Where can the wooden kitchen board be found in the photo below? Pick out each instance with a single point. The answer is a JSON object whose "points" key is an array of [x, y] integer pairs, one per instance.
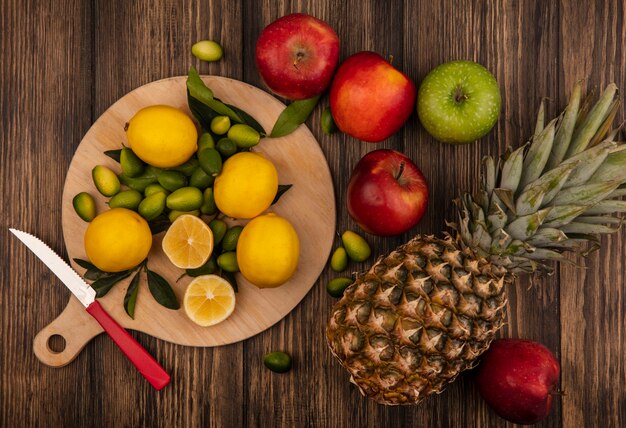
{"points": [[309, 205]]}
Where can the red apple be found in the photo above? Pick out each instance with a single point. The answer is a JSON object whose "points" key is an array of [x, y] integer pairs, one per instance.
{"points": [[387, 193], [369, 98], [517, 378], [296, 56]]}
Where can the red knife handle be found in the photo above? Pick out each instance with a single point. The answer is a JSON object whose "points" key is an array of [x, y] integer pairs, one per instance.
{"points": [[147, 366]]}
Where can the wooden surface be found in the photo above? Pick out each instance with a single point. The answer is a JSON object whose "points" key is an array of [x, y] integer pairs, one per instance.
{"points": [[64, 63], [309, 206]]}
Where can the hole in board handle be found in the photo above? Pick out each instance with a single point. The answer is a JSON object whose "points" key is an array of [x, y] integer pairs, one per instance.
{"points": [[56, 344]]}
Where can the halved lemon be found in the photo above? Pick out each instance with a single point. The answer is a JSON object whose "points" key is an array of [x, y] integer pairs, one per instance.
{"points": [[209, 300], [188, 242]]}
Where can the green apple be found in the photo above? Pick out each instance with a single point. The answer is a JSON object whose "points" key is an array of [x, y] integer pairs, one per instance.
{"points": [[458, 102]]}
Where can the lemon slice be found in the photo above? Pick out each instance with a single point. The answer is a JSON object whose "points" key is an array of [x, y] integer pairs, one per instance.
{"points": [[209, 300], [188, 242]]}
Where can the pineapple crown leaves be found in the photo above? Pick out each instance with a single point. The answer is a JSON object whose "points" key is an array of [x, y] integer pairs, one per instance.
{"points": [[556, 193]]}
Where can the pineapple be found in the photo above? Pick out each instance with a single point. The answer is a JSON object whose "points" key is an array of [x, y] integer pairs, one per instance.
{"points": [[424, 313]]}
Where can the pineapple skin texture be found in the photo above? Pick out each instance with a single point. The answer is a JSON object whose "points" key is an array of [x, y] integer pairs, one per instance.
{"points": [[421, 315], [417, 318]]}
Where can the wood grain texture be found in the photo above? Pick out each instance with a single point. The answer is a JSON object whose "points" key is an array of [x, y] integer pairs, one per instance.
{"points": [[593, 330], [96, 51]]}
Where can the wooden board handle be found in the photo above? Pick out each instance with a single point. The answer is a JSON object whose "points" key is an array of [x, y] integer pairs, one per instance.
{"points": [[75, 326]]}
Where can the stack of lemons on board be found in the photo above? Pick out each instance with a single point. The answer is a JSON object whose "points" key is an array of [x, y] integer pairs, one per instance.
{"points": [[195, 182]]}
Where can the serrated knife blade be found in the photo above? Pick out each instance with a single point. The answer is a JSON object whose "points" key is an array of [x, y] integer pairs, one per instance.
{"points": [[68, 276], [147, 366]]}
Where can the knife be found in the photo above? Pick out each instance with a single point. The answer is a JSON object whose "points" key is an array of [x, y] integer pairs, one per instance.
{"points": [[147, 366]]}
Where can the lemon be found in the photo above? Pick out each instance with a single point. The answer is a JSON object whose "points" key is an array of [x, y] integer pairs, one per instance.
{"points": [[188, 242], [246, 186], [209, 300], [268, 250], [162, 136], [117, 240]]}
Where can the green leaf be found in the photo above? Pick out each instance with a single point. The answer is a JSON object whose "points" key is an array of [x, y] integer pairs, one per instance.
{"points": [[92, 273], [204, 106], [130, 299], [201, 112], [600, 220], [206, 269], [248, 120], [588, 194], [103, 285], [524, 227], [282, 188], [114, 154], [232, 280], [583, 239], [546, 236], [554, 180], [613, 167], [506, 197], [512, 170], [516, 248], [563, 214], [490, 174], [563, 136], [162, 291], [541, 118], [198, 90], [547, 254], [603, 132], [537, 155], [593, 122], [606, 207], [496, 216], [478, 215], [204, 115], [588, 162], [482, 198], [500, 241], [481, 237], [587, 228], [541, 191], [328, 123], [293, 116], [196, 87], [159, 224], [85, 264]]}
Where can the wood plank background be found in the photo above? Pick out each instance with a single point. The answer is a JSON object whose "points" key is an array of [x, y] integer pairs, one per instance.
{"points": [[64, 62]]}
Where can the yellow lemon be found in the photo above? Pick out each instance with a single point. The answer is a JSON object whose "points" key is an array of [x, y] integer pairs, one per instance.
{"points": [[162, 136], [268, 250], [188, 242], [246, 185], [117, 240], [209, 300]]}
